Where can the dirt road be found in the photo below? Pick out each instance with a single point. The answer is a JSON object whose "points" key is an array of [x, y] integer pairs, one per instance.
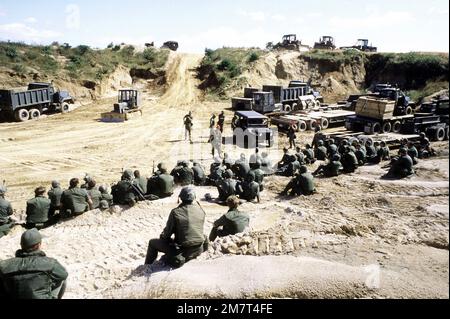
{"points": [[354, 220]]}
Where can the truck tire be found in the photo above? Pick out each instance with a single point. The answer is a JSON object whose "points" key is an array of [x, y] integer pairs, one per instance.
{"points": [[440, 134], [302, 126], [34, 114], [317, 104], [295, 107], [387, 127], [409, 110], [21, 115], [324, 123], [375, 128], [287, 108], [446, 133], [397, 127], [65, 108], [312, 125]]}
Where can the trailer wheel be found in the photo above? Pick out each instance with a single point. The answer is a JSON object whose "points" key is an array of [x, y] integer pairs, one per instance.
{"points": [[440, 134], [409, 110], [294, 107], [317, 103], [302, 126], [34, 114], [65, 108], [375, 129], [312, 125], [287, 108], [22, 115], [387, 127], [397, 127], [446, 133], [324, 123]]}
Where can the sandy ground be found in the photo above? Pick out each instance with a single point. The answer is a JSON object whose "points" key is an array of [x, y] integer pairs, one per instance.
{"points": [[356, 225]]}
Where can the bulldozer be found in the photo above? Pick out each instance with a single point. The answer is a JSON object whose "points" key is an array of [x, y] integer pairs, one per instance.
{"points": [[361, 45], [325, 43], [127, 107], [290, 42]]}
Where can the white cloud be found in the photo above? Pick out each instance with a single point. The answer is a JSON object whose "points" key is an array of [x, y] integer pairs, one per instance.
{"points": [[22, 32], [314, 15], [2, 13], [255, 16], [31, 20], [278, 17], [374, 21]]}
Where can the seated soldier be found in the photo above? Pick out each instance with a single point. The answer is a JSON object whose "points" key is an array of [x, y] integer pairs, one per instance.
{"points": [[360, 154], [140, 181], [54, 194], [385, 152], [186, 222], [259, 174], [332, 169], [106, 197], [301, 184], [266, 164], [75, 201], [125, 192], [227, 186], [349, 160], [425, 149], [370, 150], [318, 136], [332, 148], [32, 275], [299, 155], [401, 167], [175, 172], [241, 168], [286, 159], [309, 154], [343, 145], [163, 185], [255, 158], [215, 172], [38, 210], [199, 174], [232, 223], [320, 151], [413, 152], [94, 194], [184, 175], [6, 211], [248, 189], [228, 162], [87, 178]]}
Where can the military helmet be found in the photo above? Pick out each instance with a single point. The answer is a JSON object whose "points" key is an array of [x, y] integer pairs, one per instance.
{"points": [[250, 177], [187, 194], [320, 143], [336, 157], [102, 189], [55, 184], [228, 173], [128, 174], [422, 135], [331, 141], [30, 238], [3, 189], [104, 204], [303, 169], [403, 151]]}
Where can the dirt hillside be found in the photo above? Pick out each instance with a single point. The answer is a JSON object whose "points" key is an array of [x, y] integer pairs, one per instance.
{"points": [[358, 237]]}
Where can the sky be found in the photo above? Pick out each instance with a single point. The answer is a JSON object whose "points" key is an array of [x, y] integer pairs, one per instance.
{"points": [[392, 26]]}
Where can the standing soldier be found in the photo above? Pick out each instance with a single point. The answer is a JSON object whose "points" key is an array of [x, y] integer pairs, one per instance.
{"points": [[212, 121], [291, 135], [31, 274], [188, 123], [221, 122], [38, 210], [216, 142], [6, 212]]}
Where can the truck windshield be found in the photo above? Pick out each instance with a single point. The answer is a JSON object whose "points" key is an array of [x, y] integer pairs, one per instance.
{"points": [[257, 122]]}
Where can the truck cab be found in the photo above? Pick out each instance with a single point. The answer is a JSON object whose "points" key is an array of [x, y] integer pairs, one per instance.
{"points": [[402, 102], [251, 128]]}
